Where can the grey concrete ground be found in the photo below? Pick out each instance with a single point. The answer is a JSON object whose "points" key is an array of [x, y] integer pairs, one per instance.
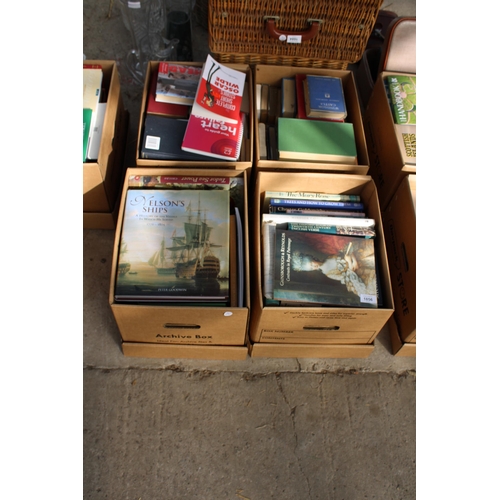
{"points": [[257, 429]]}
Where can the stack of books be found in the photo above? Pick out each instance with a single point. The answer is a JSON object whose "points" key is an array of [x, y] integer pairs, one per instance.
{"points": [[305, 119], [195, 113], [402, 95], [318, 250]]}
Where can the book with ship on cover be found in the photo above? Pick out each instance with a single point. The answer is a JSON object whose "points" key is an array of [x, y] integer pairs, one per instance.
{"points": [[174, 247], [325, 269]]}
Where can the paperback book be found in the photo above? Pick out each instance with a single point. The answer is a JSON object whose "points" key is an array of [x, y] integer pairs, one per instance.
{"points": [[324, 269], [214, 138], [402, 91], [164, 108], [174, 247], [177, 83], [407, 142], [220, 92]]}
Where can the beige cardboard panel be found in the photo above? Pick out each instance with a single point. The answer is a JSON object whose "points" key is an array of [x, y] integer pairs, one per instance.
{"points": [[400, 348], [173, 323], [140, 350], [400, 228], [272, 75], [296, 318], [386, 163], [238, 165], [314, 335], [261, 350]]}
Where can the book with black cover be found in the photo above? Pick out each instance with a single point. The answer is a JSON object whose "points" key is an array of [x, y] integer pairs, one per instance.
{"points": [[325, 269], [162, 139], [174, 247]]}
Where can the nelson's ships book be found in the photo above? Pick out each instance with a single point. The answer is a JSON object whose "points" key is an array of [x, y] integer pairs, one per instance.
{"points": [[174, 247]]}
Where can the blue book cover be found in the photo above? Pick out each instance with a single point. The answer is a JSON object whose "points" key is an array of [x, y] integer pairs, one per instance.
{"points": [[325, 96], [296, 203]]}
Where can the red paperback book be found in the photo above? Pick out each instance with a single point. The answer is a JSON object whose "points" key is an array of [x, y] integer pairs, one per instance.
{"points": [[163, 108], [216, 138], [220, 92]]}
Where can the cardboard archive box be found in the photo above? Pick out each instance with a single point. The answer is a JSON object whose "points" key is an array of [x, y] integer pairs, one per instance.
{"points": [[102, 178], [272, 75], [165, 330], [400, 235], [317, 331], [247, 146], [387, 166]]}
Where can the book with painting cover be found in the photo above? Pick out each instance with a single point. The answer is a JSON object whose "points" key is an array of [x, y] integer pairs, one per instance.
{"points": [[220, 92], [177, 83], [325, 269], [213, 137], [308, 203], [316, 141], [324, 97], [163, 108], [174, 247], [402, 92]]}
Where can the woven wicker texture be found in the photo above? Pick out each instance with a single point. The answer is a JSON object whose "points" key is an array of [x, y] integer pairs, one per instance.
{"points": [[237, 31]]}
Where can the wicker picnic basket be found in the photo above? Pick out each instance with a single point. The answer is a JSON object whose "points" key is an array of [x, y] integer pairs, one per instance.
{"points": [[310, 33]]}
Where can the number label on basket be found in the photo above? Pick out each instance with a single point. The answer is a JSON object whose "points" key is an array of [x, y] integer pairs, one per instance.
{"points": [[291, 38]]}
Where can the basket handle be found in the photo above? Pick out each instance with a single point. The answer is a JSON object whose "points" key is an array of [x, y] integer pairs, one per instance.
{"points": [[291, 36]]}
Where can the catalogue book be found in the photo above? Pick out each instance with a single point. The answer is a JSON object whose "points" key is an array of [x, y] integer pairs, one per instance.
{"points": [[174, 247], [324, 269], [177, 83], [220, 92]]}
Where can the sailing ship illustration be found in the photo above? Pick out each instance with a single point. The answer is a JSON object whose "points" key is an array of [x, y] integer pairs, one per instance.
{"points": [[160, 261], [192, 254], [123, 266]]}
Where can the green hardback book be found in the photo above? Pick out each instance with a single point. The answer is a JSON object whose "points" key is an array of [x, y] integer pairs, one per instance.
{"points": [[87, 117], [316, 141]]}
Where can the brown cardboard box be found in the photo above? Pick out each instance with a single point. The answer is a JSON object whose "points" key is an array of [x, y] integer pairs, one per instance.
{"points": [[400, 348], [102, 179], [148, 350], [387, 166], [173, 324], [272, 75], [400, 235], [333, 326], [264, 350], [248, 147]]}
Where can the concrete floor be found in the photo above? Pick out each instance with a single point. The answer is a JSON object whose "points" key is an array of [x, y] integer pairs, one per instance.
{"points": [[258, 429]]}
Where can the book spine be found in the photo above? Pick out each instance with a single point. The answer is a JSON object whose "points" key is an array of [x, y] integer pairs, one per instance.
{"points": [[396, 102], [288, 202], [313, 211], [312, 196], [332, 229]]}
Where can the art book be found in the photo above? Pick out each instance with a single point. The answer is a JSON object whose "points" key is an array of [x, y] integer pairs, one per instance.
{"points": [[163, 108], [324, 97], [402, 91], [316, 141], [220, 92], [174, 247], [177, 83], [325, 269], [214, 138]]}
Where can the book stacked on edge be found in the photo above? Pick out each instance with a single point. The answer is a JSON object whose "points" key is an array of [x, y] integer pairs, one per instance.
{"points": [[402, 95], [318, 250], [305, 120], [195, 113], [181, 241], [94, 110]]}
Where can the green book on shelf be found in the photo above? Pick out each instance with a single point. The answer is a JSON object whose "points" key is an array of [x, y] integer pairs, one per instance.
{"points": [[87, 117], [316, 141], [402, 93]]}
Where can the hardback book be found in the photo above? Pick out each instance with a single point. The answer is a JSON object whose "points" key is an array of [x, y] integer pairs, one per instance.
{"points": [[271, 222], [264, 102], [164, 108], [288, 98], [272, 143], [273, 105], [407, 141], [324, 97], [96, 135], [214, 138], [308, 203], [174, 247], [262, 141], [177, 83], [316, 141], [92, 83], [87, 120], [220, 92], [332, 229], [325, 269], [318, 211], [162, 139], [402, 91], [305, 195]]}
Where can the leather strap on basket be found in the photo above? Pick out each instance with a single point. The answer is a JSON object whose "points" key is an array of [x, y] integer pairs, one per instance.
{"points": [[283, 35]]}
